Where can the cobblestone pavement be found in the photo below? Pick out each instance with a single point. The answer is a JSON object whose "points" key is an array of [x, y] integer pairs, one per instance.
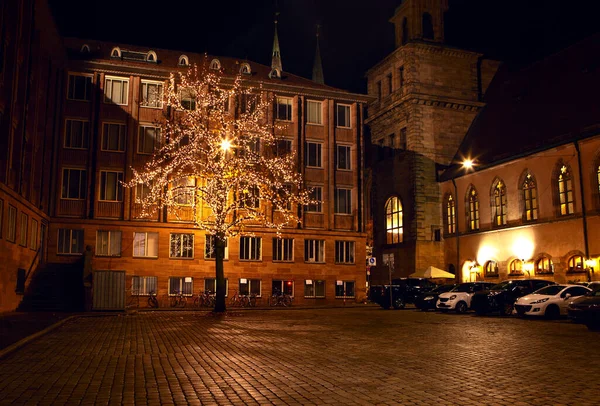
{"points": [[319, 356]]}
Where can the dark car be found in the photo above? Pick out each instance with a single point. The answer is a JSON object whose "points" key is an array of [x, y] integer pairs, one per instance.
{"points": [[427, 300], [404, 290], [501, 297], [586, 310]]}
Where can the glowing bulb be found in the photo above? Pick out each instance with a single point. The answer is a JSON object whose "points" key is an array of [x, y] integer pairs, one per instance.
{"points": [[225, 145], [468, 163]]}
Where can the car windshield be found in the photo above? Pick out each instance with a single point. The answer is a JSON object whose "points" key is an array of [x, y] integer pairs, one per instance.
{"points": [[550, 290], [463, 287], [442, 288], [502, 286]]}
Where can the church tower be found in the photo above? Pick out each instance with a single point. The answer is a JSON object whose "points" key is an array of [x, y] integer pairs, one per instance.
{"points": [[426, 96]]}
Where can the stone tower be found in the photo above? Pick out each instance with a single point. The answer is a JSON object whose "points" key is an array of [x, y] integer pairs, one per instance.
{"points": [[427, 94]]}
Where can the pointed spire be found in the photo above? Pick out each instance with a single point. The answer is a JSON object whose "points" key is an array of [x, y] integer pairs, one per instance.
{"points": [[276, 57], [317, 73]]}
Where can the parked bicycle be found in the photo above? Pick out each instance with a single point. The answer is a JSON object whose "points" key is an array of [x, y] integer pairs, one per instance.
{"points": [[238, 300], [152, 300], [205, 299], [178, 300], [280, 299]]}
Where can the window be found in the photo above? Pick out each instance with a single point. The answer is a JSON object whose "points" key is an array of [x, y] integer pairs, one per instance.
{"points": [[343, 115], [142, 192], [575, 264], [144, 285], [316, 196], [283, 108], [74, 184], [544, 265], [402, 143], [23, 225], [76, 134], [427, 26], [529, 199], [181, 285], [343, 157], [108, 243], [209, 248], [210, 285], [491, 268], [313, 154], [145, 245], [11, 234], [393, 221], [401, 77], [113, 137], [183, 60], [283, 147], [500, 204], [378, 87], [70, 242], [245, 69], [182, 191], [152, 94], [148, 139], [314, 111], [250, 198], [450, 215], [215, 64], [314, 288], [33, 240], [344, 252], [565, 191], [343, 201], [182, 246], [151, 56], [188, 99], [344, 289], [404, 31], [116, 90], [115, 53], [80, 88], [250, 287], [516, 267], [314, 250], [285, 287], [389, 84], [111, 188], [248, 103], [473, 209], [283, 249], [250, 248]]}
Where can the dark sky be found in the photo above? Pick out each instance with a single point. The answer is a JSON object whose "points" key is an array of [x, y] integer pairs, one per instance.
{"points": [[355, 34]]}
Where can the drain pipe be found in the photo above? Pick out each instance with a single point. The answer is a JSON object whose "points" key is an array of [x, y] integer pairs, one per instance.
{"points": [[583, 209]]}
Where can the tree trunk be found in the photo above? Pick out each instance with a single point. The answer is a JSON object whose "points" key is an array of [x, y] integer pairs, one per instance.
{"points": [[221, 288]]}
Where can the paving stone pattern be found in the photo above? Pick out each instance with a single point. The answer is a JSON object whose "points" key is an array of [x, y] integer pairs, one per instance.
{"points": [[312, 356]]}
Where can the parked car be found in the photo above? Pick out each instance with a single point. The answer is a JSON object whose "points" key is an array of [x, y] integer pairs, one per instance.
{"points": [[550, 301], [404, 290], [586, 310], [592, 285], [427, 300], [459, 298], [501, 297]]}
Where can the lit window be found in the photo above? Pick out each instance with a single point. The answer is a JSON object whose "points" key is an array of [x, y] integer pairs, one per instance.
{"points": [[314, 250], [79, 88], [565, 191], [316, 195], [343, 201], [491, 268], [151, 56], [393, 221], [344, 252], [183, 60], [473, 207], [74, 184], [108, 243], [116, 52], [313, 154], [283, 249], [250, 198], [250, 248], [148, 139], [70, 242], [314, 288], [500, 204], [180, 285], [145, 245], [575, 263], [544, 265], [245, 69], [152, 94], [182, 191], [24, 223], [116, 90], [76, 134], [215, 64], [144, 285], [209, 248], [250, 287], [344, 289], [343, 115], [516, 267], [182, 246], [343, 157], [111, 186], [113, 137], [450, 215], [530, 199], [314, 111], [188, 99], [283, 108], [286, 287]]}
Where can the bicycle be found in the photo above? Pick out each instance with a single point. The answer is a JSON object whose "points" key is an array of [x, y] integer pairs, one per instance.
{"points": [[204, 299], [280, 299], [178, 300], [152, 300]]}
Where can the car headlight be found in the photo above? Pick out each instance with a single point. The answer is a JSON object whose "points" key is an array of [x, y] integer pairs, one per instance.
{"points": [[428, 298], [452, 297], [540, 301]]}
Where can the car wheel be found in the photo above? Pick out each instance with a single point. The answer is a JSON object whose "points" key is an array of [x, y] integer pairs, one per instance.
{"points": [[506, 309], [399, 303], [552, 312], [461, 307]]}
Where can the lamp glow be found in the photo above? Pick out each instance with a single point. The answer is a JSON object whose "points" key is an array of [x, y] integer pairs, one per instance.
{"points": [[225, 145], [467, 163]]}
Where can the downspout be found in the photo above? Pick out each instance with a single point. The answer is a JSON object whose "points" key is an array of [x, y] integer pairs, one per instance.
{"points": [[456, 222], [583, 210]]}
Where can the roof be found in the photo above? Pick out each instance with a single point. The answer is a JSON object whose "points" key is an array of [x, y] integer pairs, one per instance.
{"points": [[549, 103]]}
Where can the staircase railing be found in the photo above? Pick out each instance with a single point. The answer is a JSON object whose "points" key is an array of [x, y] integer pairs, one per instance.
{"points": [[20, 280]]}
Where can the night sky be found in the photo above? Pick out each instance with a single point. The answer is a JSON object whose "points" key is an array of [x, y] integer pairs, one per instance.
{"points": [[355, 34]]}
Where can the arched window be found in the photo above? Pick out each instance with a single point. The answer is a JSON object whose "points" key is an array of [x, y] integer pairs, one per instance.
{"points": [[393, 220], [427, 26], [275, 74], [450, 215], [85, 49], [575, 264], [115, 53], [183, 60], [490, 268], [151, 56], [543, 266], [565, 191], [215, 64], [404, 31], [245, 69], [530, 209], [473, 209], [500, 204], [516, 267]]}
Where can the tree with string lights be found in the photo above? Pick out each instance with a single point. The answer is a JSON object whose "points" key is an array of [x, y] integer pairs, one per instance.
{"points": [[221, 160]]}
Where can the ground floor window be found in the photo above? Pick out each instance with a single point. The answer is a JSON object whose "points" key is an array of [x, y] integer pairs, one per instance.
{"points": [[180, 284], [145, 245], [344, 252], [314, 288], [344, 289], [70, 241], [144, 285], [249, 287], [210, 285], [108, 243], [285, 287]]}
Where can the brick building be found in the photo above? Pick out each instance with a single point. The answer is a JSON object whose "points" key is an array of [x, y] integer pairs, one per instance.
{"points": [[104, 123]]}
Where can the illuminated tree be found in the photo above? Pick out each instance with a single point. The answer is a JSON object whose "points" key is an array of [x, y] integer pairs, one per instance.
{"points": [[221, 162]]}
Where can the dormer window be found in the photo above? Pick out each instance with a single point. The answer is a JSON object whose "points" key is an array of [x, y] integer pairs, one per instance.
{"points": [[183, 61], [215, 64], [245, 69], [275, 74], [151, 57], [85, 49], [115, 53]]}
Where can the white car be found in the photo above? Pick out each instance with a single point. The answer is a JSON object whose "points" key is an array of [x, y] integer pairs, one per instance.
{"points": [[459, 298], [550, 301]]}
